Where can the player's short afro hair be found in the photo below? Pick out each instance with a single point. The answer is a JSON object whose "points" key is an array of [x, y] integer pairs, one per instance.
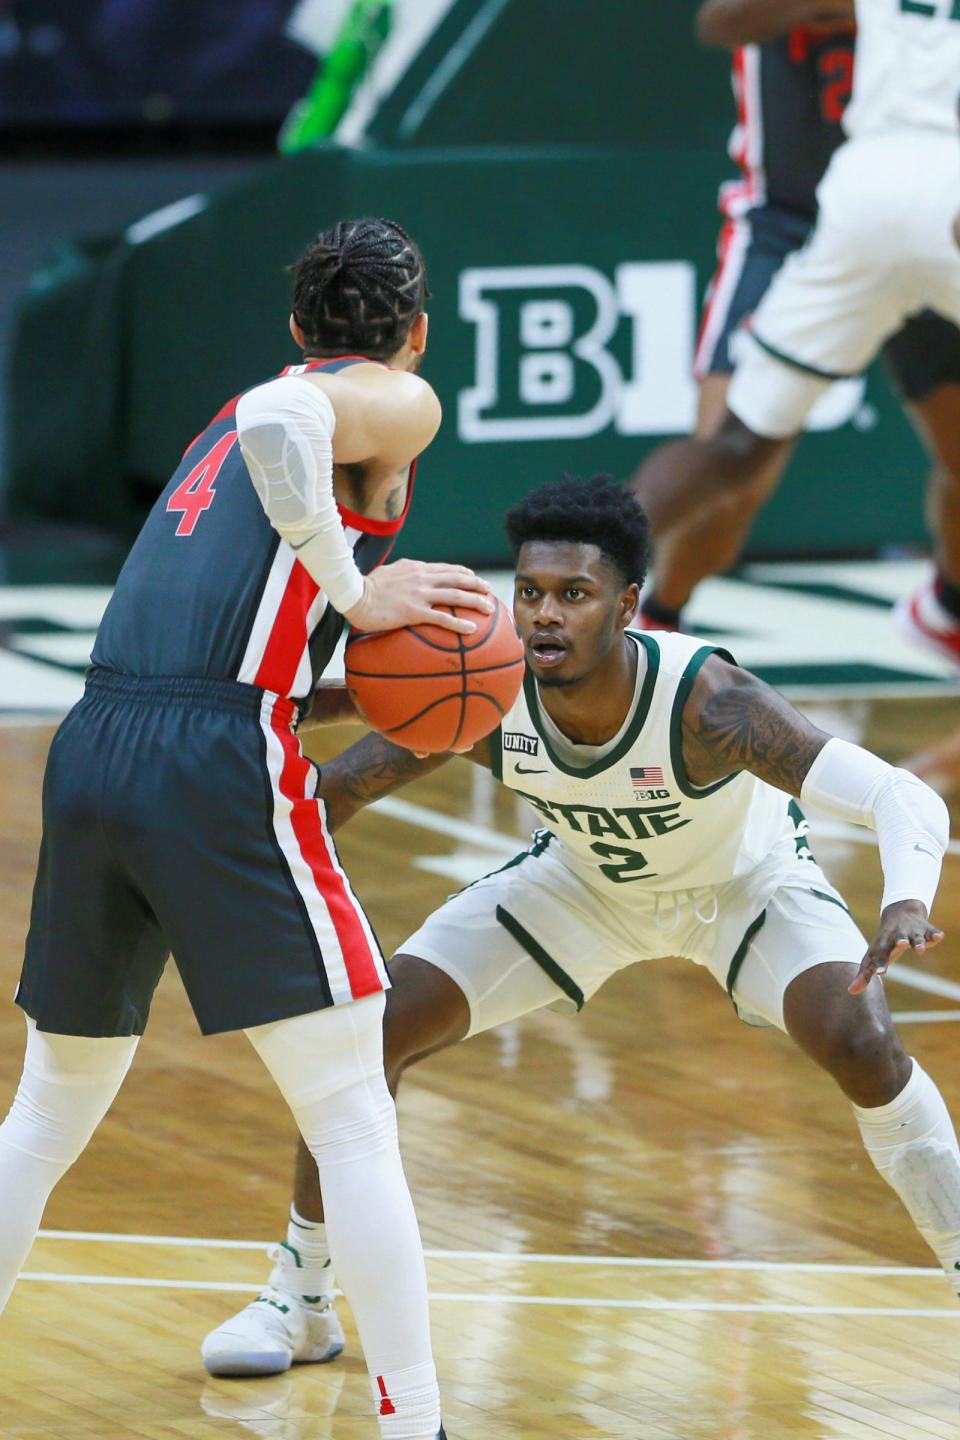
{"points": [[597, 512]]}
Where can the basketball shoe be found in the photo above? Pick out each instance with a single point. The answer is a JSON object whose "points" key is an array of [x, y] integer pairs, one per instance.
{"points": [[283, 1326], [921, 617]]}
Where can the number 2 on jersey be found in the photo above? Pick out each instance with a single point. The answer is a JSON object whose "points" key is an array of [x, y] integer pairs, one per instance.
{"points": [[196, 493]]}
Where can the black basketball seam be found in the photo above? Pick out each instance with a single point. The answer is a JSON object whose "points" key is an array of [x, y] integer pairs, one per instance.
{"points": [[462, 693], [431, 674], [463, 687], [442, 700]]}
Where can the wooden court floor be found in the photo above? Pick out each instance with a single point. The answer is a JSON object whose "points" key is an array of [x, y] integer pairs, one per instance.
{"points": [[648, 1223]]}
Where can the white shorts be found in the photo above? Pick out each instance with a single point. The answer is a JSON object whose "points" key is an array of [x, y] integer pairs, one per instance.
{"points": [[882, 249], [534, 934]]}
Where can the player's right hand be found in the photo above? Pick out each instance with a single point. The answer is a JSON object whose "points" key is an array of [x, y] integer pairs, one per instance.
{"points": [[408, 592]]}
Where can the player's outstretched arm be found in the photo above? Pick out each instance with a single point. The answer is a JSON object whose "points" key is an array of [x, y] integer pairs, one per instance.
{"points": [[733, 721], [374, 767], [753, 22]]}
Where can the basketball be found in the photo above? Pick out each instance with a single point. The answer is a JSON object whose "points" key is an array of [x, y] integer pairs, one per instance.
{"points": [[431, 689]]}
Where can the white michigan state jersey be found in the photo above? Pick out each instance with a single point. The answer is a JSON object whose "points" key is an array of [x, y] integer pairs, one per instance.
{"points": [[631, 820], [907, 68]]}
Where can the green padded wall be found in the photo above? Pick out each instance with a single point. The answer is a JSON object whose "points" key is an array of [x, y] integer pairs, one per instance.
{"points": [[510, 72], [566, 286]]}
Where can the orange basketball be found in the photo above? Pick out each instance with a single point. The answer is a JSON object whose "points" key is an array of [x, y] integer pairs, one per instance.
{"points": [[431, 689]]}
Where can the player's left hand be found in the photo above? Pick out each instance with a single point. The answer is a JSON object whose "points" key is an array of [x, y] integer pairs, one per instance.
{"points": [[903, 926]]}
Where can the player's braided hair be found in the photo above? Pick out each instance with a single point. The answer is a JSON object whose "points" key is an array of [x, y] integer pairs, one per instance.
{"points": [[597, 512], [358, 288]]}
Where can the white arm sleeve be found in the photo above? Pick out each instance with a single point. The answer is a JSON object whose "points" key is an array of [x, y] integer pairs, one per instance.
{"points": [[286, 434], [911, 821]]}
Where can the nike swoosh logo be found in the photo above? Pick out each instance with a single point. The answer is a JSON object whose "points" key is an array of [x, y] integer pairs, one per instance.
{"points": [[526, 770], [924, 851]]}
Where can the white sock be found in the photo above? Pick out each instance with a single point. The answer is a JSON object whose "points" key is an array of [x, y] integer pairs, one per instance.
{"points": [[308, 1236], [329, 1067], [406, 1402], [312, 1280], [913, 1144]]}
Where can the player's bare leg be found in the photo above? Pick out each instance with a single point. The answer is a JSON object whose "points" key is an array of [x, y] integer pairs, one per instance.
{"points": [[937, 418], [710, 540], [903, 1120], [293, 1320], [932, 613]]}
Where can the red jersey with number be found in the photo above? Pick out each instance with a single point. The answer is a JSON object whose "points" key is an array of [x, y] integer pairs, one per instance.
{"points": [[209, 588], [791, 94]]}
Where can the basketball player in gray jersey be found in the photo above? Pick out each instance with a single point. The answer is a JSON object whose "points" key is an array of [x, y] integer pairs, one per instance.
{"points": [[667, 781], [793, 65]]}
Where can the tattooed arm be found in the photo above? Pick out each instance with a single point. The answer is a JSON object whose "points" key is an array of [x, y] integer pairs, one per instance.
{"points": [[331, 704], [734, 721], [374, 766]]}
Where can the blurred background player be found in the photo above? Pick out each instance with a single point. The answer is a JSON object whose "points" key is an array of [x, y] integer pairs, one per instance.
{"points": [[792, 75], [663, 774], [181, 815]]}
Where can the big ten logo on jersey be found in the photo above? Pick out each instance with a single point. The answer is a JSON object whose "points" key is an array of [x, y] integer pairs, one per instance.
{"points": [[647, 782], [564, 351]]}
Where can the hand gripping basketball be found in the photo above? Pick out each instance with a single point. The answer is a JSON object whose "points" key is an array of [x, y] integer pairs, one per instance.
{"points": [[432, 689], [409, 592]]}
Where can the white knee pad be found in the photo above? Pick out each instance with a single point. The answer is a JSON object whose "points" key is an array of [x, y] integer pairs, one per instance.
{"points": [[328, 1066], [926, 1176], [67, 1086]]}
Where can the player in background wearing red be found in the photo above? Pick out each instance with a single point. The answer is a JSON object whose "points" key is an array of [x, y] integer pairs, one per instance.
{"points": [[792, 73]]}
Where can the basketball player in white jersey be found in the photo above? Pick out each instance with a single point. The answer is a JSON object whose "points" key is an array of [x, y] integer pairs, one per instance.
{"points": [[667, 780], [883, 249]]}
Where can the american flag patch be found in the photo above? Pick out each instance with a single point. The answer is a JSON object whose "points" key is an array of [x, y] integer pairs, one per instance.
{"points": [[646, 775]]}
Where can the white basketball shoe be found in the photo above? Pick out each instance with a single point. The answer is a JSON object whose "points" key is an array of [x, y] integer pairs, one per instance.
{"points": [[283, 1326]]}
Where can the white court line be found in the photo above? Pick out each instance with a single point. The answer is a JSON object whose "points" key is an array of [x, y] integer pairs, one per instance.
{"points": [[925, 1017], [920, 980], [449, 825], [50, 1277], [582, 1302], [99, 1237], [510, 1257]]}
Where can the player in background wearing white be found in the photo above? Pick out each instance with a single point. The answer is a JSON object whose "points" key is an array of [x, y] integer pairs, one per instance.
{"points": [[882, 250], [664, 775]]}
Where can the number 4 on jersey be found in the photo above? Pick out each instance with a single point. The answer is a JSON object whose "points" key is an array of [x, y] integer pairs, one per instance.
{"points": [[195, 494]]}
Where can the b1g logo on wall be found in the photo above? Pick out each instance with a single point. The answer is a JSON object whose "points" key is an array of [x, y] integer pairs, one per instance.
{"points": [[564, 352]]}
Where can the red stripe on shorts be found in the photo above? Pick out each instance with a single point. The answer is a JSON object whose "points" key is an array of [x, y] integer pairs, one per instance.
{"points": [[358, 958]]}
